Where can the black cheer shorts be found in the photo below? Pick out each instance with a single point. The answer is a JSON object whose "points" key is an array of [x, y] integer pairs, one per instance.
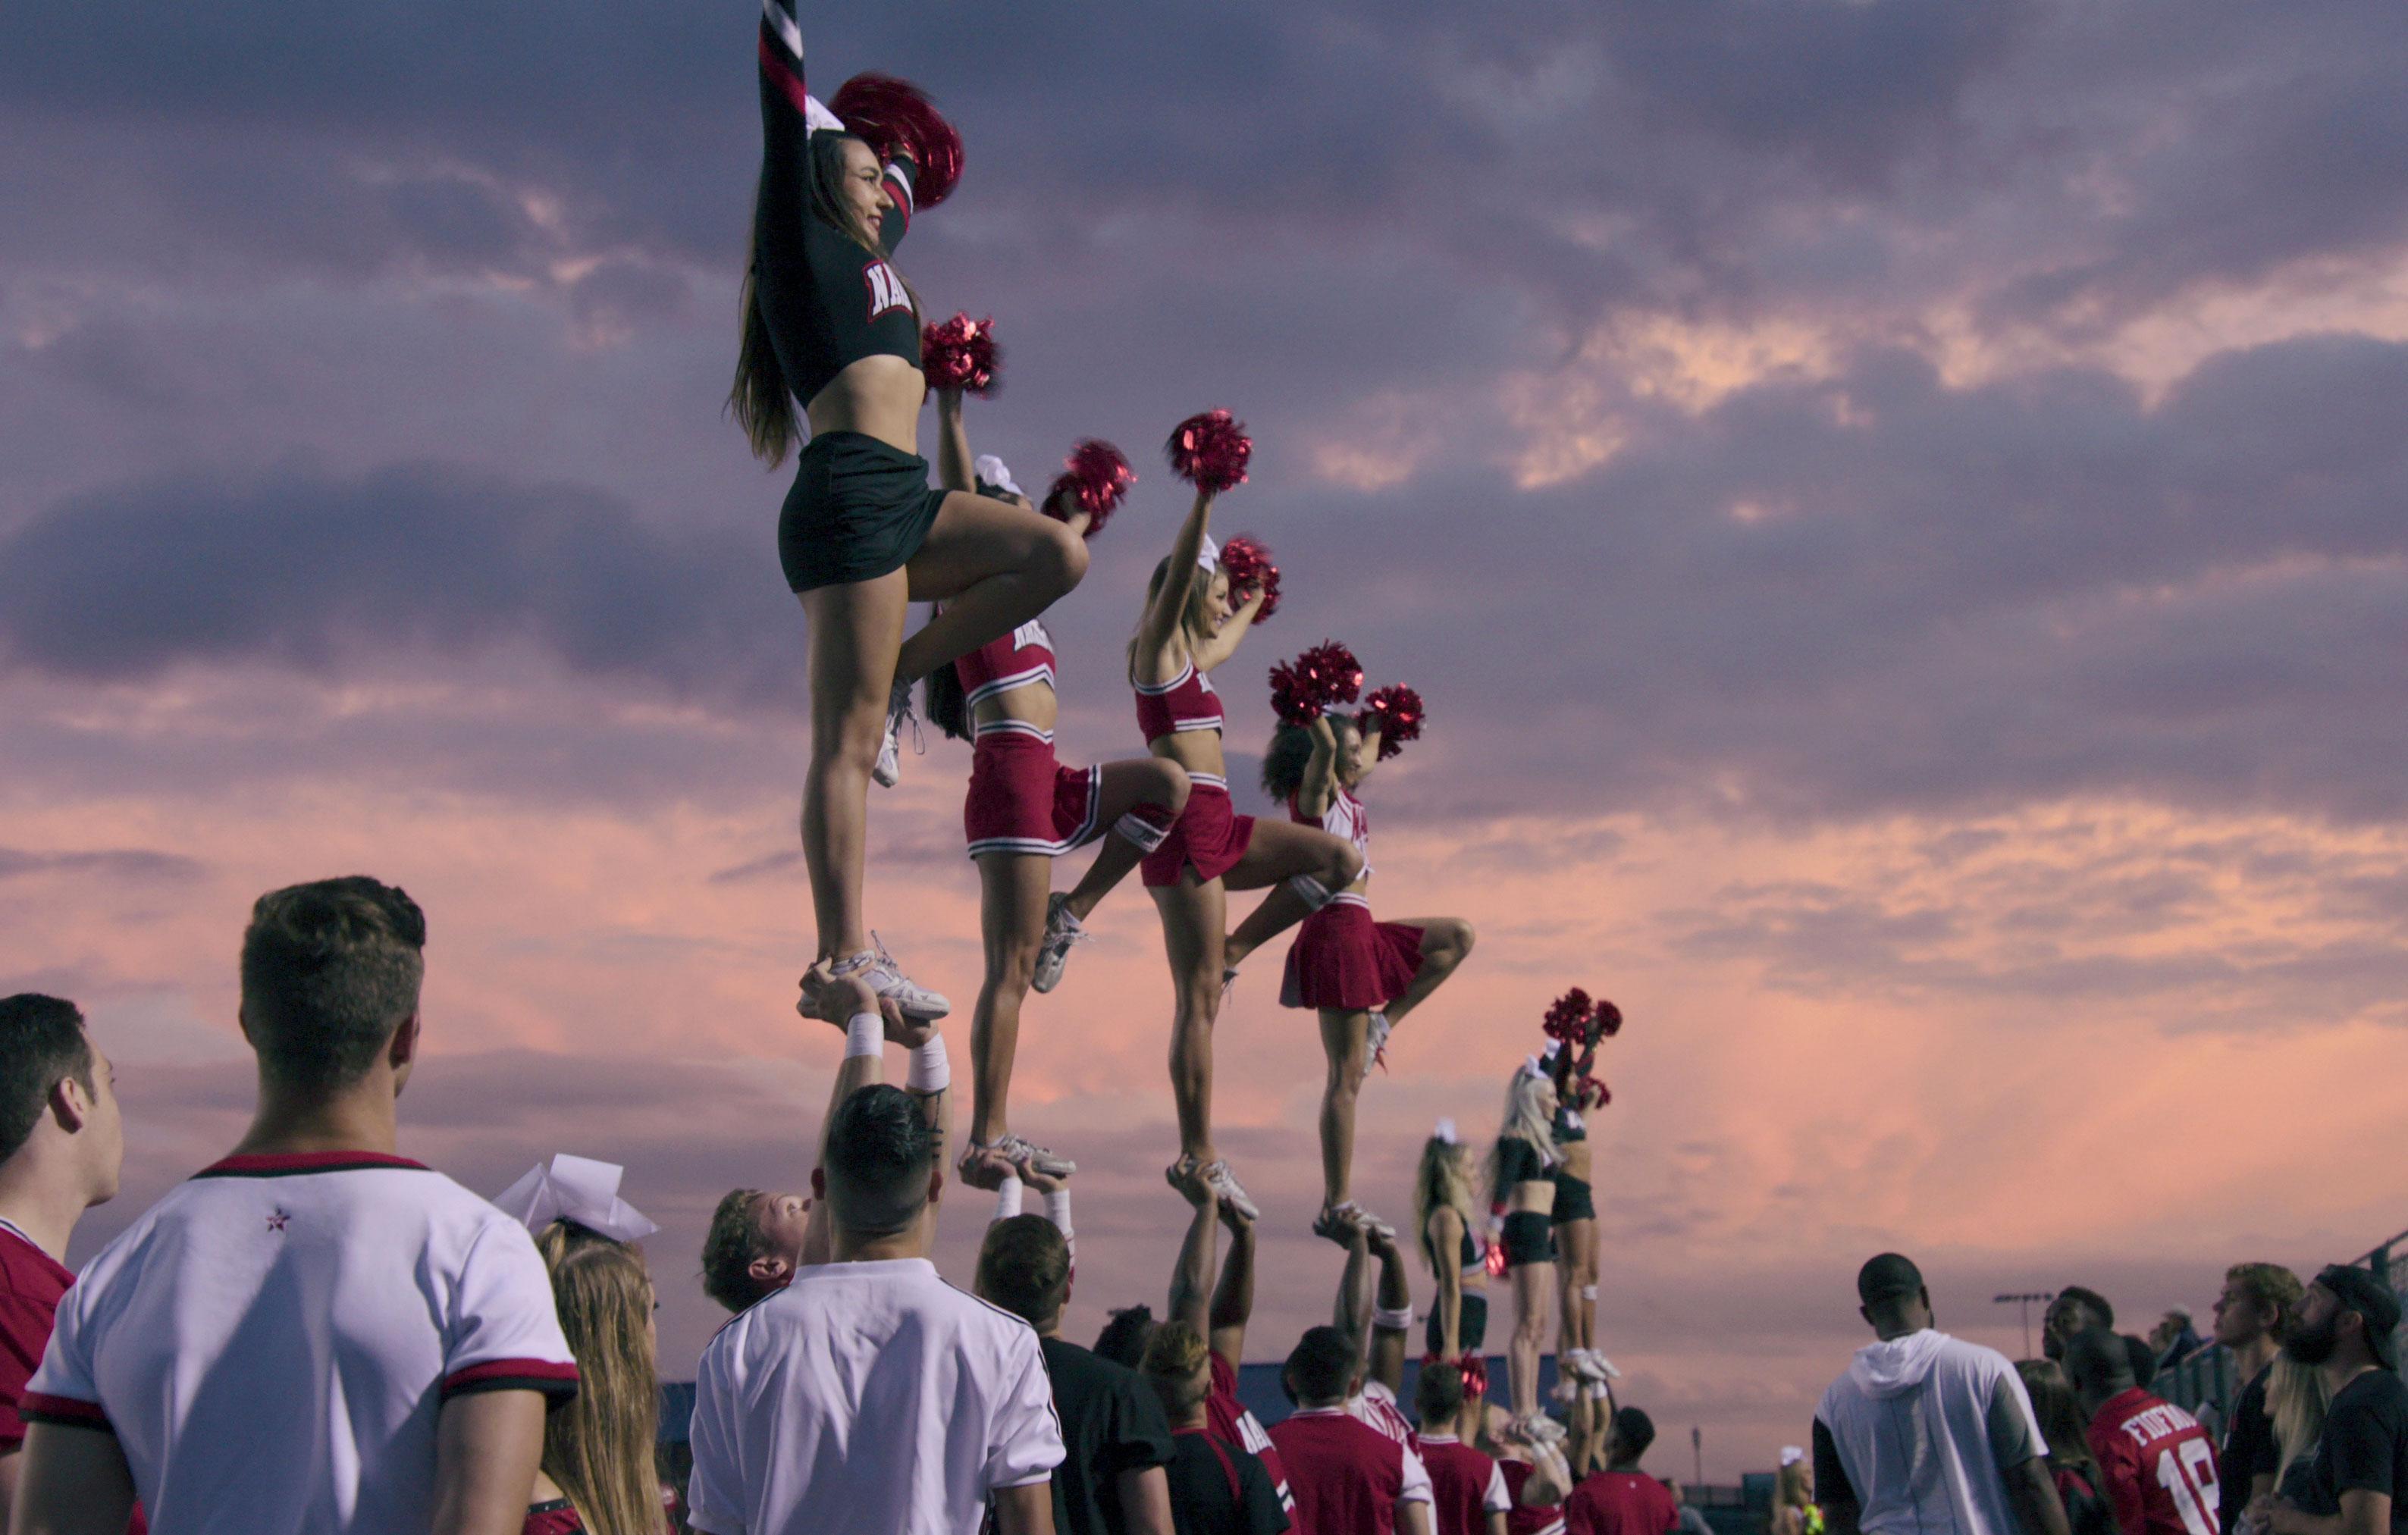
{"points": [[1530, 1238], [859, 509], [1572, 1200], [1470, 1329]]}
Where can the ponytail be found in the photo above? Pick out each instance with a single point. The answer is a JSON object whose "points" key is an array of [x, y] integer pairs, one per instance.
{"points": [[949, 708]]}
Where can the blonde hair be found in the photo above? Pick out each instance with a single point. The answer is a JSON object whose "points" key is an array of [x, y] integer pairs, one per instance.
{"points": [[1177, 1365], [2296, 1400], [1526, 1119], [598, 1446], [1441, 1181], [1789, 1489]]}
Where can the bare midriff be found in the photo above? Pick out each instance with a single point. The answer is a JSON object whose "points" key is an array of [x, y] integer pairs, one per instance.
{"points": [[1031, 703], [878, 396]]}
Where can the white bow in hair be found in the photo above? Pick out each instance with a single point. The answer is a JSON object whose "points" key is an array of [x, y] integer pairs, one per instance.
{"points": [[575, 1188], [991, 469], [1208, 556], [1445, 1131], [1791, 1455], [818, 118], [1530, 1067]]}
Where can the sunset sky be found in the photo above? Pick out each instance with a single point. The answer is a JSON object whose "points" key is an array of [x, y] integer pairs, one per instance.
{"points": [[1898, 512]]}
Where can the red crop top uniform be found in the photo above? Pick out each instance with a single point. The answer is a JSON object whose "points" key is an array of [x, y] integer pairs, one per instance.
{"points": [[1341, 959], [1211, 835], [1021, 798]]}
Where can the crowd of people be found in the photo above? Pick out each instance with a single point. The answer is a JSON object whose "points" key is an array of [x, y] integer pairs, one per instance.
{"points": [[318, 1334]]}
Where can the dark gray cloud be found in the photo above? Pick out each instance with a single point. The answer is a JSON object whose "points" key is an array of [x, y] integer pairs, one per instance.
{"points": [[144, 864]]}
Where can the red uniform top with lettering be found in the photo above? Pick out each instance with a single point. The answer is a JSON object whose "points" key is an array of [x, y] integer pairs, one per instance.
{"points": [[31, 1283], [1545, 1519], [1186, 702], [2157, 1466], [1347, 1476], [1466, 1485], [1621, 1503], [1345, 819], [1235, 1425], [1008, 661]]}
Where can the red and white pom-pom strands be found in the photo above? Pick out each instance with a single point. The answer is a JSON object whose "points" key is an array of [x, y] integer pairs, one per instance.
{"points": [[1211, 452], [1247, 561], [1094, 479], [1396, 712], [1304, 689], [896, 117], [961, 353]]}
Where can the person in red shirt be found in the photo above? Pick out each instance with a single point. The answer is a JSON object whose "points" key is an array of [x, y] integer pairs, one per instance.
{"points": [[1220, 1310], [2157, 1464], [1348, 1477], [1622, 1500], [1467, 1492], [1537, 1477], [62, 1143]]}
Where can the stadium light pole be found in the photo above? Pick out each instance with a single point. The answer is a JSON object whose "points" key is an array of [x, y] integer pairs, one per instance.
{"points": [[1698, 1453], [2024, 1299]]}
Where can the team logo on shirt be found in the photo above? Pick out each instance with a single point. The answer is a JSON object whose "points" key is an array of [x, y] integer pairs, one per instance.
{"points": [[276, 1218], [887, 290]]}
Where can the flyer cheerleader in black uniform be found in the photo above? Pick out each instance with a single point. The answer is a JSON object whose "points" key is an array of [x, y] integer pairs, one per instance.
{"points": [[828, 320]]}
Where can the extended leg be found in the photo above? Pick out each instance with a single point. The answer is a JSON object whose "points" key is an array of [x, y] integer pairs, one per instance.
{"points": [[1011, 916], [1192, 915], [1446, 942], [856, 630], [1534, 1289], [1344, 1041], [1147, 792], [1306, 864], [995, 566]]}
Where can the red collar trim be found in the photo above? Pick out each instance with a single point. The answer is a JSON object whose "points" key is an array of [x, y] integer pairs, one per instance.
{"points": [[285, 1164]]}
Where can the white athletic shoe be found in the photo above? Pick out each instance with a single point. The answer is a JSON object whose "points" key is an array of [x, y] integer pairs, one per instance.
{"points": [[888, 770], [1604, 1368], [1545, 1429], [1568, 1388], [1043, 1158], [1062, 932], [886, 978], [1578, 1364], [1377, 1037], [1226, 1188]]}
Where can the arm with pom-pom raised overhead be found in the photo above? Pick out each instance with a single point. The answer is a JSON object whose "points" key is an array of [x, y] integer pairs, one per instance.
{"points": [[1312, 792]]}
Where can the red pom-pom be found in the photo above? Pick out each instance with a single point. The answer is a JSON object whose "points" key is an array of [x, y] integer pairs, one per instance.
{"points": [[1591, 1089], [1609, 1020], [1302, 690], [1094, 479], [961, 353], [1210, 452], [895, 118], [1396, 711], [1249, 568], [1475, 1375], [1567, 1016]]}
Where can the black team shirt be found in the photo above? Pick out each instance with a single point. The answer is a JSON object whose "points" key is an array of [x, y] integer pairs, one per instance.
{"points": [[2364, 1447], [1112, 1422]]}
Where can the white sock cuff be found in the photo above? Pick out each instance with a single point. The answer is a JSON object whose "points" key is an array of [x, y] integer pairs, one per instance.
{"points": [[1137, 829], [930, 1071], [1392, 1318], [1588, 1292], [865, 1034], [1007, 1197], [1315, 894]]}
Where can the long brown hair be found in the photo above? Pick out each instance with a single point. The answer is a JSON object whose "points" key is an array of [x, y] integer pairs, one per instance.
{"points": [[2063, 1426], [599, 1446], [762, 399], [1443, 1180]]}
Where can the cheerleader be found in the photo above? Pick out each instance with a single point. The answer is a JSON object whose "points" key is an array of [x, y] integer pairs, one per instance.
{"points": [[1362, 976], [829, 321], [1583, 1370], [1024, 810], [1446, 1217], [1522, 1198], [1191, 623]]}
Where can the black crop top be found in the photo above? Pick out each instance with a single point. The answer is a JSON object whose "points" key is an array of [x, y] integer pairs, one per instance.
{"points": [[1518, 1162], [828, 303]]}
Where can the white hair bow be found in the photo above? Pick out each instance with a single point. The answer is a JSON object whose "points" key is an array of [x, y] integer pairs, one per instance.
{"points": [[991, 469], [1791, 1455], [1445, 1131], [1530, 1067], [1208, 556], [817, 118], [575, 1188]]}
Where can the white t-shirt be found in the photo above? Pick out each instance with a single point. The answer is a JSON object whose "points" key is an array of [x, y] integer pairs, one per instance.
{"points": [[871, 1398], [1921, 1424], [272, 1342]]}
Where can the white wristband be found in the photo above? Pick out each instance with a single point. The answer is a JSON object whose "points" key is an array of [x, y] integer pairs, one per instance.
{"points": [[1058, 1209], [865, 1034], [1399, 1319], [929, 1070], [1007, 1197]]}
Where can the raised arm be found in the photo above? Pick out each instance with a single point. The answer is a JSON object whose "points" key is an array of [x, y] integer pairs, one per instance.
{"points": [[955, 469], [1233, 1300], [1162, 615], [849, 1004], [1351, 1316], [1391, 1316], [1191, 1282], [1320, 769], [1210, 654]]}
